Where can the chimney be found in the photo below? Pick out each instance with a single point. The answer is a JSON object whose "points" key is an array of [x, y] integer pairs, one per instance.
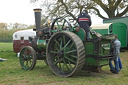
{"points": [[37, 18]]}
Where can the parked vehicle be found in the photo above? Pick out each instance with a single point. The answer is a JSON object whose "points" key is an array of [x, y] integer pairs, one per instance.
{"points": [[118, 28], [22, 38]]}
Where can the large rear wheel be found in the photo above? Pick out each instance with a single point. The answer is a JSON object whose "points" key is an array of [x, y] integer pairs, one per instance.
{"points": [[65, 53]]}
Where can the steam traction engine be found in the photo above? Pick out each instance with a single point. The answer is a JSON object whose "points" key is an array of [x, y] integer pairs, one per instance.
{"points": [[64, 48]]}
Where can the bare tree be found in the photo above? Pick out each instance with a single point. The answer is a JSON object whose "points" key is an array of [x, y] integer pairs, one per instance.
{"points": [[71, 8], [113, 8]]}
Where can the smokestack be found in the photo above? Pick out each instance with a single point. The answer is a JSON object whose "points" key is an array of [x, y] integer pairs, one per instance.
{"points": [[37, 18]]}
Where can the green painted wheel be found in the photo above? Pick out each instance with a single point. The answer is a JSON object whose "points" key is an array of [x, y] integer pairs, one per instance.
{"points": [[61, 24], [27, 58], [65, 53]]}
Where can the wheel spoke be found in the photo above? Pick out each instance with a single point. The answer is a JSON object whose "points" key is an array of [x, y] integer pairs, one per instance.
{"points": [[56, 62], [58, 25], [70, 60], [54, 52], [23, 55], [29, 54], [59, 65], [29, 57], [72, 51], [66, 64], [71, 45], [57, 42], [27, 63], [56, 47], [70, 65], [56, 57], [63, 24], [67, 43], [73, 56], [64, 40], [62, 70], [25, 51], [23, 62], [31, 61], [59, 60]]}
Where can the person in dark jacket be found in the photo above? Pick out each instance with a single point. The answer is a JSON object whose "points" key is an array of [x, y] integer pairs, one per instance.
{"points": [[84, 22]]}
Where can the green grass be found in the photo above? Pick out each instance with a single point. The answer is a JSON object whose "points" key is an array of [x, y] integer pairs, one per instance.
{"points": [[6, 47], [12, 74]]}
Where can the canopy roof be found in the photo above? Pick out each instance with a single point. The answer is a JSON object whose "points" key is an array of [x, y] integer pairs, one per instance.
{"points": [[24, 33]]}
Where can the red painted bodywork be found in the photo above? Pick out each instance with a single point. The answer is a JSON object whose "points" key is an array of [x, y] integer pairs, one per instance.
{"points": [[18, 44]]}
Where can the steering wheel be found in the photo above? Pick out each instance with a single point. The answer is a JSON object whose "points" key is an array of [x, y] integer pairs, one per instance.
{"points": [[61, 24]]}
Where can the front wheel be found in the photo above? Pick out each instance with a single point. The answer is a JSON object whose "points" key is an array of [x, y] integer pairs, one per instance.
{"points": [[27, 58]]}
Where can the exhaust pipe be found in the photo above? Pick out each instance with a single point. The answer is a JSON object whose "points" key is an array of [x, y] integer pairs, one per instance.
{"points": [[37, 18]]}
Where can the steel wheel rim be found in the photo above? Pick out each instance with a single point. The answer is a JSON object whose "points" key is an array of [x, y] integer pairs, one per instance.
{"points": [[26, 58], [77, 54]]}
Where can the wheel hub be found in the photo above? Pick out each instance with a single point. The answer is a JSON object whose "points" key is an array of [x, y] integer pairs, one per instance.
{"points": [[60, 54], [25, 58]]}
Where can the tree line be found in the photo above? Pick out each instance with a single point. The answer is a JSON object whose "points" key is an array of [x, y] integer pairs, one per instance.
{"points": [[7, 30]]}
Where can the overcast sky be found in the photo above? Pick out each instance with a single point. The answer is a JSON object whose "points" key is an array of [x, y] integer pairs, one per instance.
{"points": [[12, 11], [21, 11]]}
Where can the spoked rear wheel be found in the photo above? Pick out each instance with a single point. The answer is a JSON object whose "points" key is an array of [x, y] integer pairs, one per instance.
{"points": [[27, 58], [65, 53]]}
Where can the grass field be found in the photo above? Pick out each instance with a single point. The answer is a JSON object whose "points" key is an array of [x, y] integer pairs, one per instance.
{"points": [[12, 74]]}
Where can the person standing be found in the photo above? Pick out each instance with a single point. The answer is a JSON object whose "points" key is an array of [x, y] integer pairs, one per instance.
{"points": [[115, 46], [120, 64], [84, 22]]}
